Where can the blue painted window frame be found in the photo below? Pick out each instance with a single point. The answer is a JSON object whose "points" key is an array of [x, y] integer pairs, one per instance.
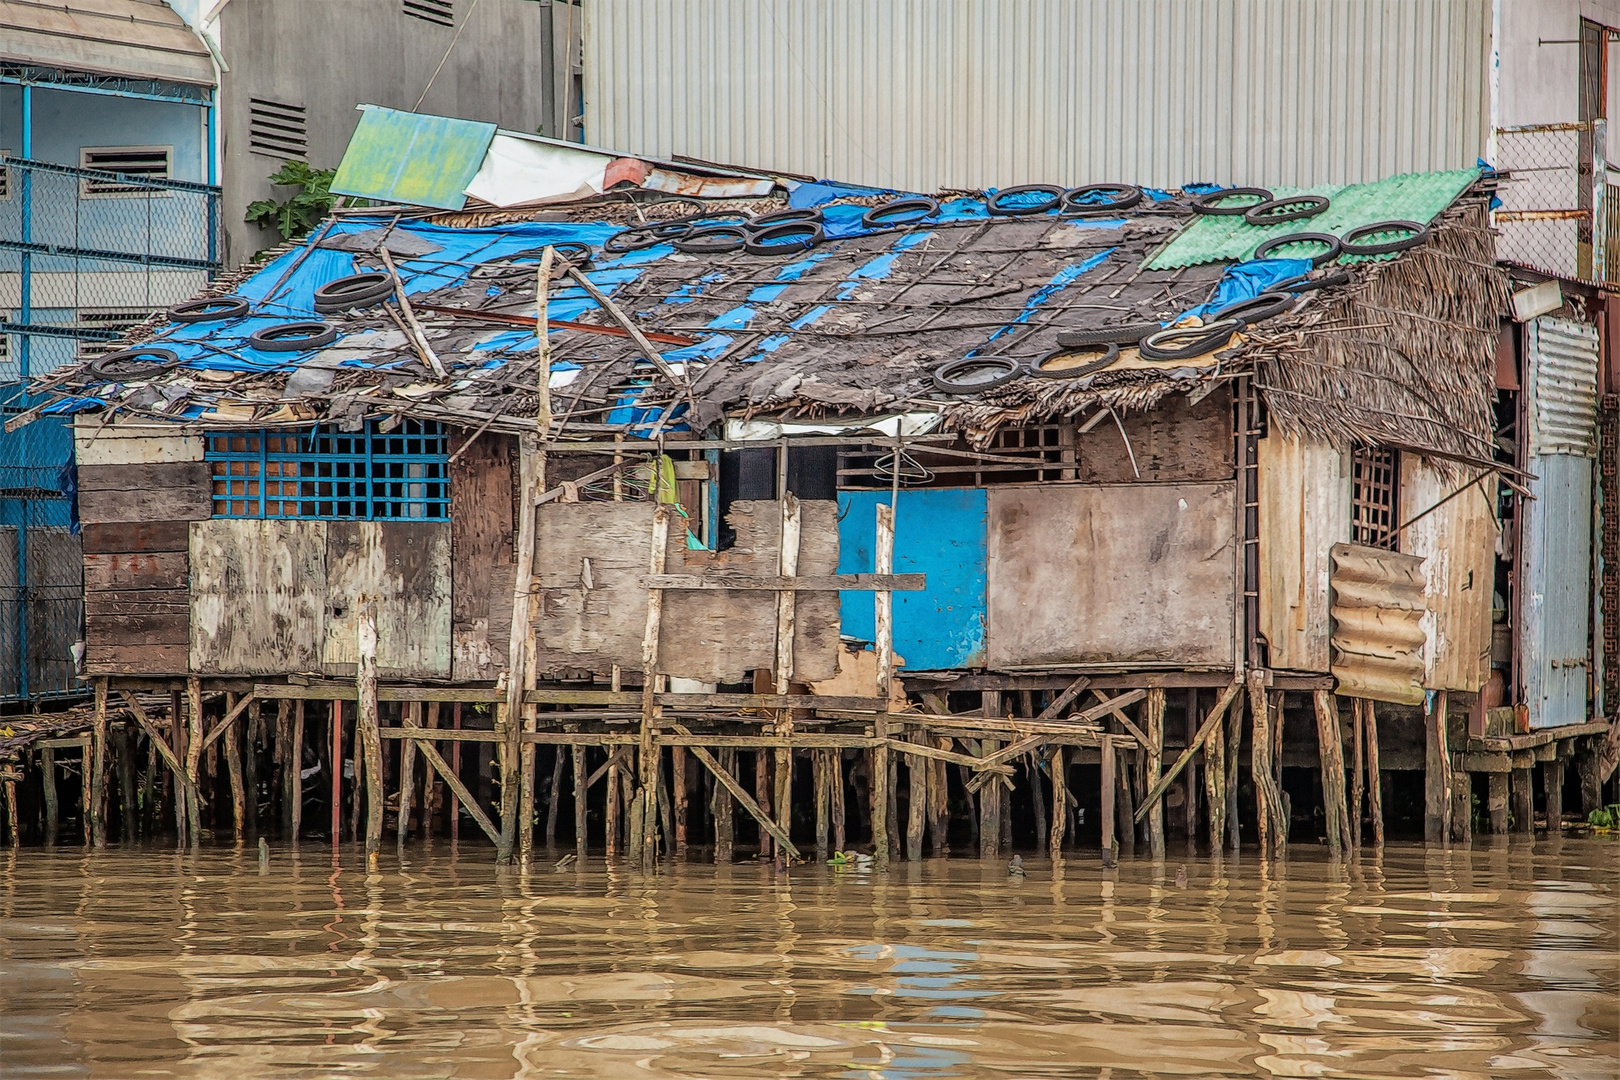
{"points": [[325, 474]]}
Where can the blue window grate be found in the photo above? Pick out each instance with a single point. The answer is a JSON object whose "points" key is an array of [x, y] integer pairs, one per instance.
{"points": [[325, 473]]}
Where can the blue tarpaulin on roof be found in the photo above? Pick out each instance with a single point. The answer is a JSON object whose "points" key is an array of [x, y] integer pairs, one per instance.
{"points": [[1244, 281]]}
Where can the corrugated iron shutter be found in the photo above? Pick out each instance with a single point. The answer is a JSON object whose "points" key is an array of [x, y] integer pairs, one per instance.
{"points": [[1563, 386], [1378, 635]]}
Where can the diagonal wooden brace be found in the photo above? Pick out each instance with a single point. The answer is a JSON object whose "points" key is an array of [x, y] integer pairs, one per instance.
{"points": [[1214, 717], [742, 796]]}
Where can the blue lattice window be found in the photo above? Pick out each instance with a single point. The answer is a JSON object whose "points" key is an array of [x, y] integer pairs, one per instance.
{"points": [[326, 473]]}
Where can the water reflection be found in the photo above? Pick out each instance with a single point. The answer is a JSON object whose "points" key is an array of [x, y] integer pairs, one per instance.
{"points": [[1497, 961]]}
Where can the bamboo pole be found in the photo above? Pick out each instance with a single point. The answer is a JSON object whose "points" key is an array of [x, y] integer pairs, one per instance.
{"points": [[1153, 726], [98, 767], [883, 614], [233, 766], [411, 717], [1331, 749], [369, 742]]}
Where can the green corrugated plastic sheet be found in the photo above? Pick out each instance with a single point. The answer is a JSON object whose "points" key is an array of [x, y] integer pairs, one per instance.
{"points": [[1228, 238], [403, 157]]}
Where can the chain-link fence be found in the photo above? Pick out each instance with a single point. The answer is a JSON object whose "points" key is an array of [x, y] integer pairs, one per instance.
{"points": [[41, 561], [1555, 203], [86, 253]]}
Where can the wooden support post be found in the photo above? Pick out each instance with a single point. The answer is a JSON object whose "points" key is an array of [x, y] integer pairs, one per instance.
{"points": [[357, 800], [1523, 801], [525, 830], [612, 809], [411, 718], [916, 809], [554, 797], [1106, 802], [759, 813], [1436, 775], [53, 812], [194, 747], [296, 788], [1330, 749], [288, 762], [432, 793], [784, 797], [1589, 772], [1462, 806], [1215, 782], [183, 794], [787, 567], [1496, 802], [1037, 800], [1192, 771], [883, 620], [1125, 802], [835, 779], [98, 768], [1375, 787], [124, 759], [1270, 815], [820, 767], [336, 743], [369, 742], [232, 736], [762, 795], [455, 767], [577, 752], [1552, 785], [1358, 768], [677, 780], [1234, 755], [13, 830], [1153, 726], [721, 808], [651, 711], [938, 801]]}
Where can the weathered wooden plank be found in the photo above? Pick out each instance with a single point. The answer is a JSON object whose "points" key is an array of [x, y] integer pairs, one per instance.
{"points": [[137, 570], [1304, 509], [125, 659], [481, 529], [152, 628], [1173, 441], [406, 566], [138, 602], [173, 491], [127, 536], [119, 445], [1155, 583], [258, 596]]}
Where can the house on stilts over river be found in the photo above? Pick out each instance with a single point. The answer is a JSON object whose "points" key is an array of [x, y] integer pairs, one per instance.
{"points": [[594, 497]]}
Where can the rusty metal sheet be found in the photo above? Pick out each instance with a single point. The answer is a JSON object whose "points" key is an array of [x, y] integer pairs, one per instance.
{"points": [[1456, 539], [1377, 635], [1114, 573], [1304, 511]]}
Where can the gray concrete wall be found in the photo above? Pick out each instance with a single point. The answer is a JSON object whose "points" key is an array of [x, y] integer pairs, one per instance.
{"points": [[330, 55]]}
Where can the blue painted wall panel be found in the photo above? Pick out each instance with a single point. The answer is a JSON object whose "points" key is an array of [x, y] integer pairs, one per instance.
{"points": [[939, 532]]}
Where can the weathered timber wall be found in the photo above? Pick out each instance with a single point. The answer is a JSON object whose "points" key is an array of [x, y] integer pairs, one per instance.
{"points": [[481, 531], [1172, 441], [258, 596], [1304, 511], [1457, 543], [592, 608], [1116, 573], [406, 566]]}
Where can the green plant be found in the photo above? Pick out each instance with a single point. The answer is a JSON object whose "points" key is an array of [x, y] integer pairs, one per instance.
{"points": [[310, 203], [1606, 818]]}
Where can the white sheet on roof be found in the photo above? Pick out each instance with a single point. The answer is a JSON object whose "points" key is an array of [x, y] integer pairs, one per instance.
{"points": [[518, 172], [918, 423]]}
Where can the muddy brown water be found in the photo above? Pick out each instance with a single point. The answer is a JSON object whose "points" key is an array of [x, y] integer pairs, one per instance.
{"points": [[1500, 961]]}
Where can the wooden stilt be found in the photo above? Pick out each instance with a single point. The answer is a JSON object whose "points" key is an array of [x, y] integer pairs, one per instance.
{"points": [[13, 831], [525, 827], [724, 829], [369, 742], [287, 762], [665, 816], [938, 801], [53, 813], [581, 825], [1496, 802], [896, 841], [357, 796], [177, 743], [232, 739], [651, 711], [1037, 801], [154, 788], [1215, 784], [1436, 775], [98, 768], [637, 812], [577, 754], [455, 767], [784, 797], [613, 832], [253, 738], [1375, 786], [412, 718], [1234, 753], [1522, 801], [1191, 785], [124, 762], [1125, 803], [1462, 808], [1358, 769], [296, 756], [1552, 783], [1060, 798], [762, 795], [431, 791], [1270, 815], [821, 766], [1153, 727], [917, 801], [194, 741], [1107, 800], [990, 810], [1330, 748], [336, 745], [835, 779], [1589, 774], [677, 781]]}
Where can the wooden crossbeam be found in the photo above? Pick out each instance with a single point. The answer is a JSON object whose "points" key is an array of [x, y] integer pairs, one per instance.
{"points": [[230, 718], [923, 750], [811, 583], [1062, 701], [742, 797], [1119, 714], [1006, 753], [161, 741], [1157, 791]]}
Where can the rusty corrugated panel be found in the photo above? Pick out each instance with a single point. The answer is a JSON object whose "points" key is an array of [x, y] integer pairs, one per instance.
{"points": [[930, 94], [1378, 633], [1455, 536], [1304, 511], [1563, 376]]}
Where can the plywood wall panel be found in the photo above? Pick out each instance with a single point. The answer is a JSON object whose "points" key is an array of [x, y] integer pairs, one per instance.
{"points": [[258, 596], [481, 532], [405, 567], [170, 491], [1129, 573]]}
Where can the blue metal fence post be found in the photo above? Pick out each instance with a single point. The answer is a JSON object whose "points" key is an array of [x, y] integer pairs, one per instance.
{"points": [[25, 279]]}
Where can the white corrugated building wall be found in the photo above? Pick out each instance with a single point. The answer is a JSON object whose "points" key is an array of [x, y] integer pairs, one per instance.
{"points": [[935, 94]]}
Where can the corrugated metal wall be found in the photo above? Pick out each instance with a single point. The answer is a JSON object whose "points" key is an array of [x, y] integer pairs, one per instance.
{"points": [[930, 94], [1455, 536], [1378, 638]]}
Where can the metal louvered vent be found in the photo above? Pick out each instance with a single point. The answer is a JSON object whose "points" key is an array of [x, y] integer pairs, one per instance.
{"points": [[441, 12], [152, 161], [1563, 387], [5, 178], [277, 129]]}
